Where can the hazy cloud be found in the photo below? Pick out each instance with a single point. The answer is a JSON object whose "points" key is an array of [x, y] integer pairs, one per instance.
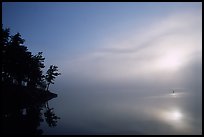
{"points": [[139, 57]]}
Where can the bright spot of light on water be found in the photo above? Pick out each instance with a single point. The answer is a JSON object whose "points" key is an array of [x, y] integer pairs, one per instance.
{"points": [[176, 115], [172, 115], [173, 94]]}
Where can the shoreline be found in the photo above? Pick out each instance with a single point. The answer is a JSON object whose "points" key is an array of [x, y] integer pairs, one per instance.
{"points": [[18, 97]]}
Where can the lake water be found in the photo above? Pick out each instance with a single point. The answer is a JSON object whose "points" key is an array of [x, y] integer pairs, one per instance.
{"points": [[127, 112]]}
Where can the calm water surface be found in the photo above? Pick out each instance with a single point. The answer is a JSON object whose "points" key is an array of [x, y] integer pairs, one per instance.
{"points": [[127, 112]]}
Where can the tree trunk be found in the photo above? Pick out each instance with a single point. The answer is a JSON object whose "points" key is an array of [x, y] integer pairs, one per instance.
{"points": [[47, 105], [48, 86]]}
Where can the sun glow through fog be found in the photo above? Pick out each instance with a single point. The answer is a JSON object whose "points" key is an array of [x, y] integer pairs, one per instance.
{"points": [[171, 61]]}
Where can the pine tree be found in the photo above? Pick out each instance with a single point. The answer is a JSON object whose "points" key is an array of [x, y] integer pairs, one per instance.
{"points": [[51, 75]]}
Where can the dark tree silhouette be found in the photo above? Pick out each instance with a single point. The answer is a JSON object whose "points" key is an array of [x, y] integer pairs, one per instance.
{"points": [[5, 36], [19, 123], [22, 76], [35, 74], [16, 59], [51, 75], [19, 65], [50, 116], [4, 42]]}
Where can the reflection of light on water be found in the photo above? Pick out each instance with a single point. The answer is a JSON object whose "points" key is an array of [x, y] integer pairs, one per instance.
{"points": [[176, 115], [169, 111], [178, 94], [173, 116], [173, 94]]}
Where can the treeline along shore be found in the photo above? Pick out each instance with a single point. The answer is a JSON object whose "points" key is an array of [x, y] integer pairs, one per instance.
{"points": [[23, 82]]}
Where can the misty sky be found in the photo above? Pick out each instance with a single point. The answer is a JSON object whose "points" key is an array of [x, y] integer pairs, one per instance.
{"points": [[133, 44]]}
